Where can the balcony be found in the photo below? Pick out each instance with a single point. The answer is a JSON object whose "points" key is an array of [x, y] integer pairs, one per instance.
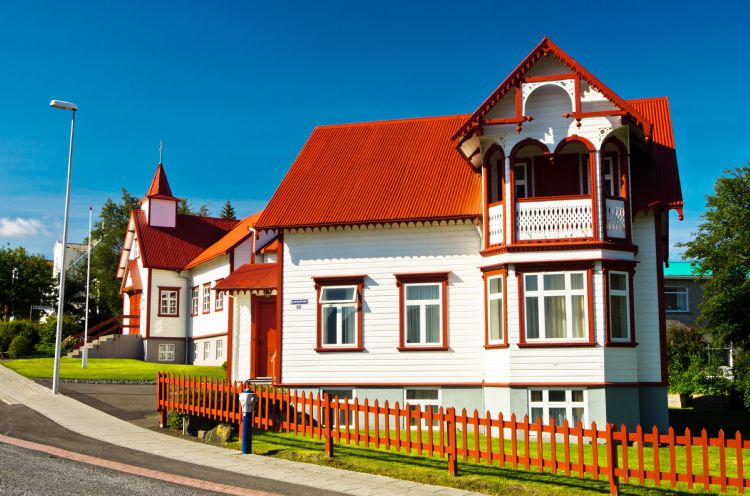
{"points": [[615, 218], [554, 219]]}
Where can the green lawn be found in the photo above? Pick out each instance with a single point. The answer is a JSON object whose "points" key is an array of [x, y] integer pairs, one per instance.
{"points": [[111, 369]]}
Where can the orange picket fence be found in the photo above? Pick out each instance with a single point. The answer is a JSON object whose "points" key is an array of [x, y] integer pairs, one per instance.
{"points": [[615, 454]]}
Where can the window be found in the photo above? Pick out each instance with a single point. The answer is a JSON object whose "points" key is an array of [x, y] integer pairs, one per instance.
{"points": [[557, 404], [207, 297], [194, 301], [619, 306], [521, 180], [218, 299], [423, 399], [494, 176], [423, 311], [583, 173], [555, 306], [676, 298], [495, 317], [611, 176], [166, 353], [195, 352], [344, 395], [339, 313], [206, 350], [169, 302], [219, 349]]}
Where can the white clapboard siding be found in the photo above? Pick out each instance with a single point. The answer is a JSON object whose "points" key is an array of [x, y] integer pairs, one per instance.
{"points": [[646, 300], [213, 322], [242, 253], [172, 327], [548, 66], [379, 253], [241, 337]]}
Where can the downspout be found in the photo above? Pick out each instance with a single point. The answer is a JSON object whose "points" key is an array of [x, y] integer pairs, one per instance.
{"points": [[183, 274], [252, 244]]}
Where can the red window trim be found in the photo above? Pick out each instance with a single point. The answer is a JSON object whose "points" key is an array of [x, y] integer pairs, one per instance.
{"points": [[422, 278], [202, 304], [197, 301], [321, 282], [485, 276], [522, 269], [629, 268], [216, 296], [168, 288]]}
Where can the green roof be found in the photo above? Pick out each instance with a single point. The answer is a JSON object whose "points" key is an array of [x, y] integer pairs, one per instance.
{"points": [[681, 269]]}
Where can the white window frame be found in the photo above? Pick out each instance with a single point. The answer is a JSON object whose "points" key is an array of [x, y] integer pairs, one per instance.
{"points": [[206, 297], [166, 352], [423, 405], [540, 294], [423, 314], [339, 305], [194, 300], [195, 351], [206, 350], [219, 349], [678, 291], [584, 173], [521, 182], [545, 404], [219, 301], [611, 174], [340, 421], [168, 305], [492, 297], [619, 293]]}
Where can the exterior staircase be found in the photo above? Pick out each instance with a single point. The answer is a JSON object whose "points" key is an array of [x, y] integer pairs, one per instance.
{"points": [[113, 346]]}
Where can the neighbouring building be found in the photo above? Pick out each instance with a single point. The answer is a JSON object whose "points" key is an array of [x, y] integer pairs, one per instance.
{"points": [[683, 292], [506, 260], [74, 251]]}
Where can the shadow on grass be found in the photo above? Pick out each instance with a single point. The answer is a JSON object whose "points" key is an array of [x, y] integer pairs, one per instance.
{"points": [[433, 470]]}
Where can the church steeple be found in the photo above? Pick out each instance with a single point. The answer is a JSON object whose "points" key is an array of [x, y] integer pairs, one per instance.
{"points": [[159, 204]]}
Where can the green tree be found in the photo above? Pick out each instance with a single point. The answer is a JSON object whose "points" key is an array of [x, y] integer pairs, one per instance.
{"points": [[109, 231], [228, 211], [25, 280], [722, 247], [185, 208]]}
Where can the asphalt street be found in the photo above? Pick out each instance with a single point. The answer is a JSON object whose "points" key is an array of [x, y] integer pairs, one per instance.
{"points": [[21, 422]]}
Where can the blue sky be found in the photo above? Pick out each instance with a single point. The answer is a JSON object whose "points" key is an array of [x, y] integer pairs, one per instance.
{"points": [[235, 88]]}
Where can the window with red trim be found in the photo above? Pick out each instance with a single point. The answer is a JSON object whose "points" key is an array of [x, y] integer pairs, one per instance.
{"points": [[218, 299], [339, 313], [555, 306], [423, 311], [169, 302], [619, 306], [207, 297], [194, 301], [495, 316]]}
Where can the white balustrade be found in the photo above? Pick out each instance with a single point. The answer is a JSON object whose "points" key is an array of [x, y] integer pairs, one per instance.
{"points": [[496, 224], [615, 218], [554, 219]]}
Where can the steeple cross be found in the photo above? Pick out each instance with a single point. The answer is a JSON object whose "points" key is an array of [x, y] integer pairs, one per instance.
{"points": [[161, 150]]}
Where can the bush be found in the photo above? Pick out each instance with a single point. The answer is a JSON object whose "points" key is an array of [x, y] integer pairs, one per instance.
{"points": [[741, 372], [10, 329], [686, 359], [48, 330], [224, 366], [174, 420], [22, 346]]}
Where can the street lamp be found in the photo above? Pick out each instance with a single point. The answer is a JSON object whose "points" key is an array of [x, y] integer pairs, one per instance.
{"points": [[85, 354], [59, 104]]}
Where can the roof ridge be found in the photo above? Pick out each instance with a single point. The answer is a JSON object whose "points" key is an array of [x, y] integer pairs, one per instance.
{"points": [[643, 99], [393, 121]]}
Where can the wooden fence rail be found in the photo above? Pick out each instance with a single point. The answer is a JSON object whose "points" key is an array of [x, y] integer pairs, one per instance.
{"points": [[614, 454]]}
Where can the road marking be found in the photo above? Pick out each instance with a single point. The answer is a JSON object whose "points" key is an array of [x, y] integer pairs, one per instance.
{"points": [[134, 470]]}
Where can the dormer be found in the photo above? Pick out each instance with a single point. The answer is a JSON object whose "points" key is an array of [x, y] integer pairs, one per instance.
{"points": [[159, 205]]}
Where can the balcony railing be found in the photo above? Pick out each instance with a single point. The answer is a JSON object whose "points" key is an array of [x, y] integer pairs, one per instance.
{"points": [[496, 223], [615, 218], [554, 219]]}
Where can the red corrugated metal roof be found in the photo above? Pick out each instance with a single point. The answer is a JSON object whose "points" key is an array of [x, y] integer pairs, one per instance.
{"points": [[657, 184], [173, 248], [377, 172], [160, 186], [226, 243], [251, 276]]}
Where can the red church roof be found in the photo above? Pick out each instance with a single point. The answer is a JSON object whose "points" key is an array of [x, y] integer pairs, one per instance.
{"points": [[160, 186], [377, 172], [173, 248]]}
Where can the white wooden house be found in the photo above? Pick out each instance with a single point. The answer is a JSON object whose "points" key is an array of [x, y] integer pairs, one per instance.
{"points": [[506, 260], [170, 266]]}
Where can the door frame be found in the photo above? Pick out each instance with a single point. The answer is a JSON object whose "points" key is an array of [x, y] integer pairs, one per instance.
{"points": [[256, 302]]}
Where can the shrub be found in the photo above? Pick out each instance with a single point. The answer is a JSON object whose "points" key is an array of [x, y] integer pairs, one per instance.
{"points": [[22, 346], [224, 366], [174, 420], [741, 372], [10, 329], [686, 359], [48, 330]]}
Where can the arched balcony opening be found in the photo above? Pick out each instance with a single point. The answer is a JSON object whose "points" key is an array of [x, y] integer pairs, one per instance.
{"points": [[494, 173], [615, 186]]}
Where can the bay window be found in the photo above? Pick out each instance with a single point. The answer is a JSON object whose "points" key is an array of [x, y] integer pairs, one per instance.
{"points": [[619, 306], [423, 311], [555, 306], [339, 313], [495, 316]]}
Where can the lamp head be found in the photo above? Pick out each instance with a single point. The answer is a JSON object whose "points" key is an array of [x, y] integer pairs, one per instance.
{"points": [[59, 104]]}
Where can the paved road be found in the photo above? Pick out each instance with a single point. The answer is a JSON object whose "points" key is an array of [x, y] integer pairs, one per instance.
{"points": [[55, 476], [125, 401], [21, 422]]}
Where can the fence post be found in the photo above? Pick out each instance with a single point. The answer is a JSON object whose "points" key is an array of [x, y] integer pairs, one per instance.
{"points": [[328, 425], [614, 482], [450, 421], [159, 400]]}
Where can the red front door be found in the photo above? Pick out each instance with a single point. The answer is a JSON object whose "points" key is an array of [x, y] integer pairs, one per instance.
{"points": [[135, 312], [264, 323]]}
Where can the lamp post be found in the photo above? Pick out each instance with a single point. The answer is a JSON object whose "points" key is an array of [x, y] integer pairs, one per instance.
{"points": [[59, 104], [85, 354]]}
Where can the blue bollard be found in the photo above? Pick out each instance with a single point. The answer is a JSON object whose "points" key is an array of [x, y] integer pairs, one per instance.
{"points": [[248, 401]]}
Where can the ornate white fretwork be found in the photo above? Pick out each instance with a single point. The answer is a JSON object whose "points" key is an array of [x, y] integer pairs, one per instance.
{"points": [[615, 215], [496, 224], [568, 85], [554, 219]]}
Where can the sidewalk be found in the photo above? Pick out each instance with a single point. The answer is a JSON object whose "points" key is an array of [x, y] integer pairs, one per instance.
{"points": [[95, 424]]}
